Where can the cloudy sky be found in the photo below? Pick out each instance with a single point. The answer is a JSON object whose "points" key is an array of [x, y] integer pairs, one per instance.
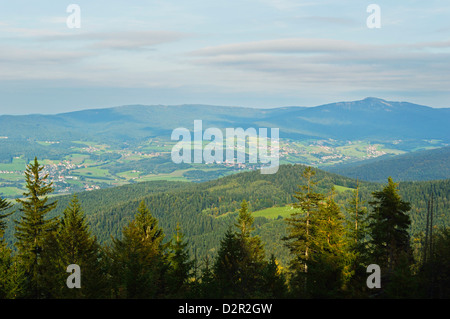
{"points": [[255, 53]]}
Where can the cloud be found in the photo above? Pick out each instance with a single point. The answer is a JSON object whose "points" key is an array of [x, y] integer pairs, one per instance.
{"points": [[121, 40], [24, 56], [284, 46], [328, 64]]}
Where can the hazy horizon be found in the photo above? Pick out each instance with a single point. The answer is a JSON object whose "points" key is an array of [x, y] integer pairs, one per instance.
{"points": [[217, 105], [253, 53]]}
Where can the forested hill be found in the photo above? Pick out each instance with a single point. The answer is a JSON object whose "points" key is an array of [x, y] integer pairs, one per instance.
{"points": [[204, 211], [417, 166]]}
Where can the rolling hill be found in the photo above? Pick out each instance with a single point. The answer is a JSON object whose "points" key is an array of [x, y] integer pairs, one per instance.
{"points": [[416, 166], [205, 210]]}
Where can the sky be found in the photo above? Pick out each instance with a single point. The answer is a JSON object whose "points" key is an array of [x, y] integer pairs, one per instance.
{"points": [[253, 53]]}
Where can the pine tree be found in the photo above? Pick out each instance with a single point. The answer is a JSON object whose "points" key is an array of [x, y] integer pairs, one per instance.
{"points": [[208, 286], [274, 281], [390, 240], [325, 277], [5, 252], [5, 265], [74, 244], [227, 266], [180, 266], [356, 236], [14, 280], [240, 261], [139, 258], [4, 205], [302, 227], [33, 227]]}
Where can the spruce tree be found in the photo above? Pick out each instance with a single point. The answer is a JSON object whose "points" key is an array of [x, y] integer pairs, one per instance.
{"points": [[325, 277], [302, 228], [208, 286], [180, 266], [4, 205], [5, 252], [274, 281], [74, 244], [138, 260], [5, 265], [357, 237], [389, 224], [240, 262], [33, 226], [227, 266]]}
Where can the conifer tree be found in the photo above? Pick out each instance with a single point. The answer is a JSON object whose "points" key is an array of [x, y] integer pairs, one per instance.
{"points": [[274, 281], [4, 205], [180, 266], [208, 285], [5, 252], [302, 227], [390, 240], [33, 226], [240, 261], [74, 244], [325, 277], [357, 236], [139, 258], [227, 266], [5, 265]]}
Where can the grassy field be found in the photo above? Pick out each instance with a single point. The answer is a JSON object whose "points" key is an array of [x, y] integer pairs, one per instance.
{"points": [[10, 191], [18, 164], [274, 212], [339, 188]]}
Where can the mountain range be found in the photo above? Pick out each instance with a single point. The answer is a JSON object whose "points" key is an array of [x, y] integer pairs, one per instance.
{"points": [[370, 118]]}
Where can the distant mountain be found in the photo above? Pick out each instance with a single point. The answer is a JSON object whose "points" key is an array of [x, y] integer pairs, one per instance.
{"points": [[417, 166], [371, 118]]}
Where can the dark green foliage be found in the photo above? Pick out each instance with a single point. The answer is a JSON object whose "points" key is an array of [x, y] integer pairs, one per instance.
{"points": [[303, 227], [389, 224], [33, 227], [356, 241], [240, 264], [138, 261], [228, 243], [416, 166], [180, 267], [72, 243], [4, 205]]}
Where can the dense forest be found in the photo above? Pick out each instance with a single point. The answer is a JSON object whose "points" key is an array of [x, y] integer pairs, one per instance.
{"points": [[183, 240], [416, 166]]}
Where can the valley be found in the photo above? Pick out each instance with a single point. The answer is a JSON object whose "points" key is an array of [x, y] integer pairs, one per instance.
{"points": [[89, 165]]}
